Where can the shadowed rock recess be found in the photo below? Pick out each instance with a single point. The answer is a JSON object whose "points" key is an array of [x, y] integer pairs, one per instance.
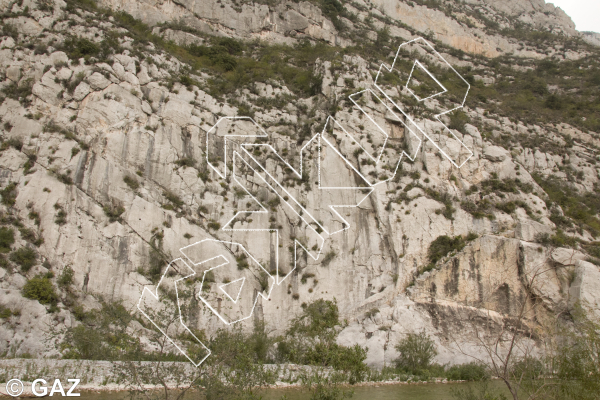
{"points": [[105, 108]]}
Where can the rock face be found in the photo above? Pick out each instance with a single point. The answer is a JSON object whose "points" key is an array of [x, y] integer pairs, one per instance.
{"points": [[289, 21], [108, 164]]}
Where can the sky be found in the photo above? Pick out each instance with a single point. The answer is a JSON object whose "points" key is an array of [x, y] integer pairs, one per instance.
{"points": [[585, 13]]}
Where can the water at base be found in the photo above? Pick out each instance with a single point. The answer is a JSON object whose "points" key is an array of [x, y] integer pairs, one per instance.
{"points": [[428, 391]]}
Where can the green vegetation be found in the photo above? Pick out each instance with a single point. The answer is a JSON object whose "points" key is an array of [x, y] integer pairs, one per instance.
{"points": [[156, 264], [458, 120], [7, 239], [175, 200], [29, 164], [417, 351], [6, 312], [9, 194], [61, 215], [329, 256], [20, 91], [578, 360], [113, 212], [468, 372], [557, 240], [66, 277], [311, 340], [479, 209], [40, 288], [131, 182], [26, 257], [30, 236], [102, 336], [443, 245], [442, 197], [581, 208]]}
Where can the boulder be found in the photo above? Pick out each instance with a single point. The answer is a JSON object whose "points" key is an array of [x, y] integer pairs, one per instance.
{"points": [[97, 81], [528, 230], [495, 153], [14, 73], [82, 90]]}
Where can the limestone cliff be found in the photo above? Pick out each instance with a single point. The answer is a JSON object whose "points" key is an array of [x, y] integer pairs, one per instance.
{"points": [[105, 146]]}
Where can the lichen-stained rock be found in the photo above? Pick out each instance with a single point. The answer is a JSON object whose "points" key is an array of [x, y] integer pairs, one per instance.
{"points": [[484, 275]]}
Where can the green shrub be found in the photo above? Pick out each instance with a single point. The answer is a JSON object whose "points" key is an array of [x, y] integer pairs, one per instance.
{"points": [[6, 312], [215, 226], [7, 239], [10, 30], [26, 257], [113, 212], [102, 336], [77, 47], [131, 182], [553, 102], [74, 82], [40, 288], [417, 351], [155, 269], [61, 216], [442, 197], [19, 91], [311, 340], [66, 277], [443, 245], [583, 208], [173, 198], [29, 164], [458, 120], [329, 256], [9, 194], [31, 237], [468, 372], [560, 239], [186, 162], [481, 209]]}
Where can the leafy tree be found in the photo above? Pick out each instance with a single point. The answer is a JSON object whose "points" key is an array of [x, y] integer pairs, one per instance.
{"points": [[311, 340], [102, 335], [578, 359], [417, 351]]}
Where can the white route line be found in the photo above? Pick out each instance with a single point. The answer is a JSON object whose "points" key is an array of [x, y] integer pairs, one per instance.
{"points": [[205, 300], [391, 68], [245, 154], [155, 296]]}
